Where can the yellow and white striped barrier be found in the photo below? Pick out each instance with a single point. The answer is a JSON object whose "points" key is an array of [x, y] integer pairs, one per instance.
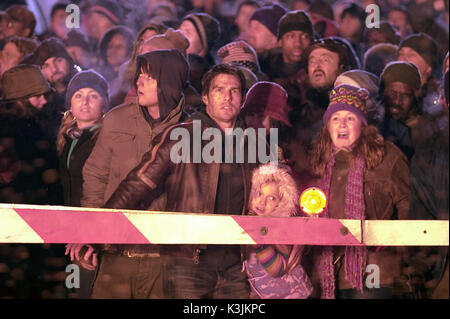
{"points": [[55, 224]]}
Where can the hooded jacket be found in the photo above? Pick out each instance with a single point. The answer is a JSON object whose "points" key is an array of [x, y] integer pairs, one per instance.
{"points": [[126, 134]]}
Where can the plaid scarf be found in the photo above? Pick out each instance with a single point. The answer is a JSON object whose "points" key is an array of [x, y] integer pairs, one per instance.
{"points": [[355, 257]]}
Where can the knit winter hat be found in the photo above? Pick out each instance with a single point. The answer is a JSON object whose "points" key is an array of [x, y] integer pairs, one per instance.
{"points": [[172, 39], [13, 81], [347, 98], [361, 79], [88, 79], [207, 27], [270, 99], [76, 38], [400, 71], [424, 45], [109, 9], [368, 81], [295, 20], [269, 17], [241, 53], [51, 47]]}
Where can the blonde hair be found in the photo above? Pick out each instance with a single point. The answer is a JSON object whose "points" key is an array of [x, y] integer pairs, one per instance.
{"points": [[67, 121], [282, 177]]}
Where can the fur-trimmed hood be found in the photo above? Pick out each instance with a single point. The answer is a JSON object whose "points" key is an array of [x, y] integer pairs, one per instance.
{"points": [[281, 175]]}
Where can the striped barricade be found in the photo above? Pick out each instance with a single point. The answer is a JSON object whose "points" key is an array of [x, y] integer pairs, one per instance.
{"points": [[55, 224]]}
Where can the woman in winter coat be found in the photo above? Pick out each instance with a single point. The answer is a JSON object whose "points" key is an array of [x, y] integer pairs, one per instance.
{"points": [[87, 95], [363, 177]]}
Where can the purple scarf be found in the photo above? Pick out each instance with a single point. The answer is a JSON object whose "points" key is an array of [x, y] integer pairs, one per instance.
{"points": [[355, 257]]}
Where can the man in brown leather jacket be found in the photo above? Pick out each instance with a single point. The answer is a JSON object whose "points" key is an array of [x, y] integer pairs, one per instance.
{"points": [[198, 186]]}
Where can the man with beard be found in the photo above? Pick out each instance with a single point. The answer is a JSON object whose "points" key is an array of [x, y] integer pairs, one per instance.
{"points": [[56, 64], [399, 89], [325, 59]]}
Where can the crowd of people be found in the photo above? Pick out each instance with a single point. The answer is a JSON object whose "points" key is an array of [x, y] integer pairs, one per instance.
{"points": [[87, 117]]}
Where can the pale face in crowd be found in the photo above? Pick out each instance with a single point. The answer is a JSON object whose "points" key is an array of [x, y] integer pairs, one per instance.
{"points": [[293, 43], [55, 69], [300, 5], [195, 44], [58, 23], [344, 128], [96, 25], [224, 100], [399, 20], [80, 56], [260, 38], [323, 68], [86, 106], [117, 51], [242, 17], [38, 101], [410, 55], [147, 91], [10, 56], [350, 26], [266, 200]]}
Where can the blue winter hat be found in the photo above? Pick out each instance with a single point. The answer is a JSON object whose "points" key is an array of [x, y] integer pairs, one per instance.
{"points": [[88, 79]]}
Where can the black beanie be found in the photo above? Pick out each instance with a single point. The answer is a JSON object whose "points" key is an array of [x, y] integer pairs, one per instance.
{"points": [[424, 45], [88, 79], [295, 20], [207, 27], [269, 17]]}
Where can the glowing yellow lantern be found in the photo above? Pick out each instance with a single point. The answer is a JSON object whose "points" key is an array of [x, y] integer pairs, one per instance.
{"points": [[313, 201]]}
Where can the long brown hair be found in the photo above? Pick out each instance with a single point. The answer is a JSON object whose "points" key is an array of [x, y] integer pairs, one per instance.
{"points": [[370, 145]]}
